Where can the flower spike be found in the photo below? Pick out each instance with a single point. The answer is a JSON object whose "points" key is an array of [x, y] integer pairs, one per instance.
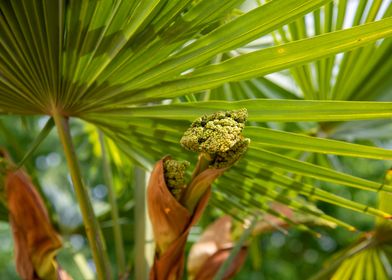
{"points": [[216, 133]]}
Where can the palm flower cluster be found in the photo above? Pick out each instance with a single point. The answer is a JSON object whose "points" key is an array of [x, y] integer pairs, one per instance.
{"points": [[174, 172], [228, 158], [218, 137]]}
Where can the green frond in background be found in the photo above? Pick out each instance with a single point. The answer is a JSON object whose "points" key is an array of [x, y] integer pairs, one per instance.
{"points": [[369, 258]]}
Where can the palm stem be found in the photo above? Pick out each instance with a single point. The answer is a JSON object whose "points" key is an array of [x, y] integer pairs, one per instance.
{"points": [[93, 232], [118, 239], [203, 161], [37, 142], [144, 249]]}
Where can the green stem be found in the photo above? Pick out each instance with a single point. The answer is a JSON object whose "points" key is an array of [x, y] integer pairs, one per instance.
{"points": [[91, 225], [203, 162], [144, 245], [118, 239], [37, 142]]}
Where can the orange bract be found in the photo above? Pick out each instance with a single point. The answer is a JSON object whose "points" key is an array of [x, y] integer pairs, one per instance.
{"points": [[213, 263], [36, 242], [171, 223], [211, 251]]}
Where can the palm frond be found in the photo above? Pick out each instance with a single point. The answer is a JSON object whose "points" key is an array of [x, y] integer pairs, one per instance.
{"points": [[355, 78], [99, 60]]}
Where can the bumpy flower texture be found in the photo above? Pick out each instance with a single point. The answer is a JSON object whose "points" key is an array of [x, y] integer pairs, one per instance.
{"points": [[218, 135], [174, 172]]}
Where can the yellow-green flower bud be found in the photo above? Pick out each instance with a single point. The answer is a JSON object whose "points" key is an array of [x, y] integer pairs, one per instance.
{"points": [[216, 133], [174, 172], [228, 158]]}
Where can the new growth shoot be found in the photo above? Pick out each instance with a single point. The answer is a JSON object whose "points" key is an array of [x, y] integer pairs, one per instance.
{"points": [[174, 204], [219, 141]]}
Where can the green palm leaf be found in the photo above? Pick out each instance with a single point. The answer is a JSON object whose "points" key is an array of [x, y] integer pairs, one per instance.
{"points": [[111, 63], [368, 258], [261, 110]]}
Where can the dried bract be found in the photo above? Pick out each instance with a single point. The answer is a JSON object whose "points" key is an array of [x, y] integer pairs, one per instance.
{"points": [[36, 241]]}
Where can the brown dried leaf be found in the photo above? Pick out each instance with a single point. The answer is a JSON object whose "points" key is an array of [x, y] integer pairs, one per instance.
{"points": [[36, 242], [214, 262], [215, 237], [211, 251]]}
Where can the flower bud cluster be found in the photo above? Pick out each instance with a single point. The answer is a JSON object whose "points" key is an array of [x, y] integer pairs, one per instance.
{"points": [[174, 172], [218, 135], [228, 158]]}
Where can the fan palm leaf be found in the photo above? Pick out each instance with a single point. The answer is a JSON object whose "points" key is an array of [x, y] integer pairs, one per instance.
{"points": [[113, 62], [84, 59]]}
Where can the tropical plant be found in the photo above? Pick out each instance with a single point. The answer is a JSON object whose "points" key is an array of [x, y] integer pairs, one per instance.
{"points": [[140, 71], [370, 256]]}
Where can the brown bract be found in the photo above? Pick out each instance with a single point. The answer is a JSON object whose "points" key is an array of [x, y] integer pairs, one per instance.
{"points": [[36, 242], [198, 186], [171, 223], [212, 250], [213, 263]]}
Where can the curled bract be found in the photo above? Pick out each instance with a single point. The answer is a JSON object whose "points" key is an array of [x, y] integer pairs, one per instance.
{"points": [[171, 223]]}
